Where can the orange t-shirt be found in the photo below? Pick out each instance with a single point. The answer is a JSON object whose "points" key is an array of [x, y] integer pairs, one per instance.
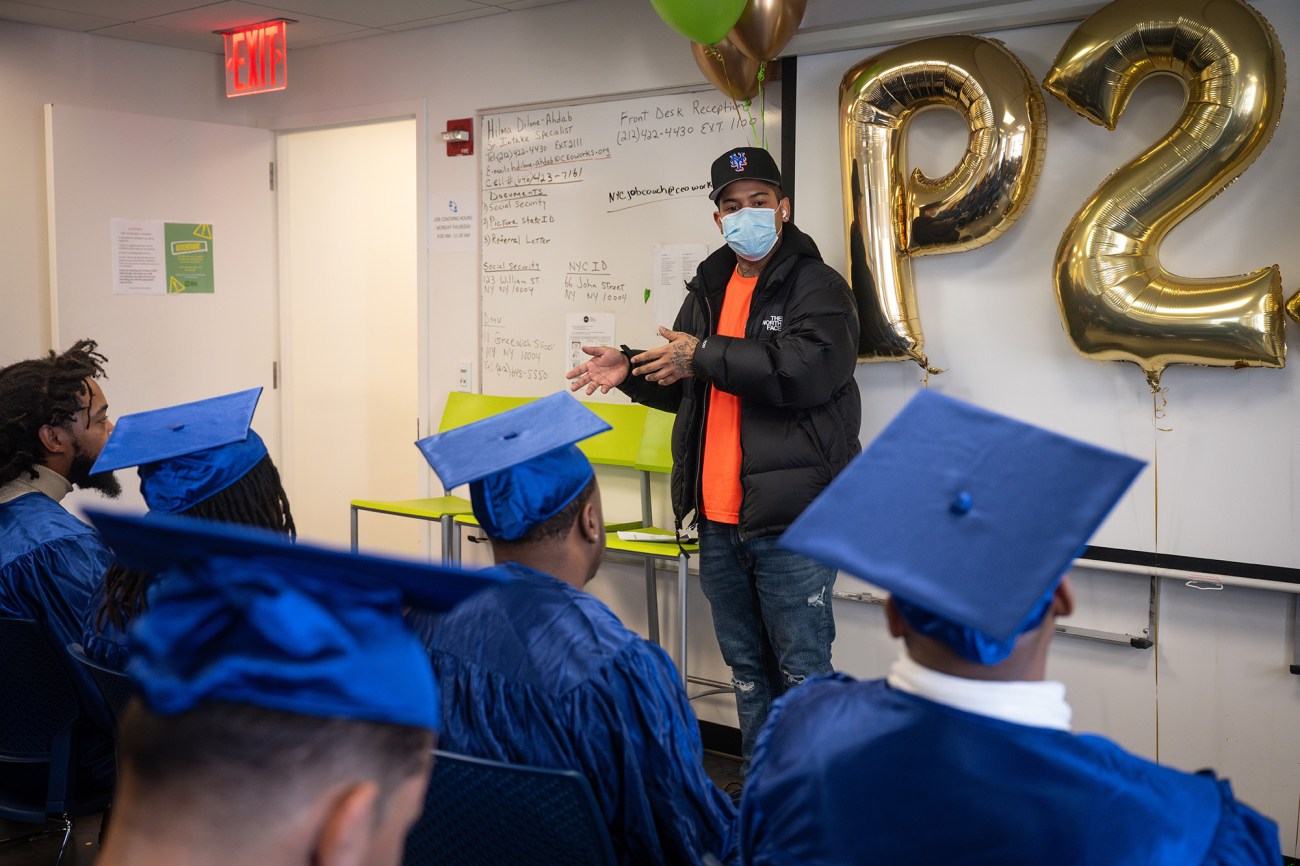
{"points": [[720, 484]]}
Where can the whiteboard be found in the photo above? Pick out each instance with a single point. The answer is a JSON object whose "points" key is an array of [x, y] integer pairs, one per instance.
{"points": [[575, 199]]}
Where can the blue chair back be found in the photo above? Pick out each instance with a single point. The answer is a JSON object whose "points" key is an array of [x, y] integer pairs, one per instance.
{"points": [[114, 686], [39, 709], [479, 812]]}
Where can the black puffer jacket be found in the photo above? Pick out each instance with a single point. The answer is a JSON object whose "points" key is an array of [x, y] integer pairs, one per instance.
{"points": [[800, 408]]}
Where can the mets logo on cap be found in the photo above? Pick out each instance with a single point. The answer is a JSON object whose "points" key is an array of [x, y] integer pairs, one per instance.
{"points": [[739, 160]]}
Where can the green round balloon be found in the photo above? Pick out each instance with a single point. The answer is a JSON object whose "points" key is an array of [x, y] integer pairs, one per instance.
{"points": [[704, 21]]}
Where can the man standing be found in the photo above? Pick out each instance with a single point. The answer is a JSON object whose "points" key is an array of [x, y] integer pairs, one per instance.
{"points": [[758, 368], [53, 423], [964, 753], [541, 672]]}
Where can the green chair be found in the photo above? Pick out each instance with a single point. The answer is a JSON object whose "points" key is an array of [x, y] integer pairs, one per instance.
{"points": [[617, 447], [620, 446], [655, 457], [461, 409]]}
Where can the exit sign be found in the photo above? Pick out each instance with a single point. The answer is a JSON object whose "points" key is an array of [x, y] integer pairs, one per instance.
{"points": [[256, 58]]}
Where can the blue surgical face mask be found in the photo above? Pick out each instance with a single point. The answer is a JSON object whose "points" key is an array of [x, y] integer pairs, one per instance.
{"points": [[750, 232]]}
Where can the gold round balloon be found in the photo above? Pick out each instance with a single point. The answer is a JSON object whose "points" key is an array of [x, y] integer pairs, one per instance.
{"points": [[891, 215], [766, 26], [727, 69], [1117, 301]]}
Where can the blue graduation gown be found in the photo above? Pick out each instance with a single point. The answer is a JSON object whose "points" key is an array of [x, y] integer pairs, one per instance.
{"points": [[859, 772], [543, 674], [50, 563]]}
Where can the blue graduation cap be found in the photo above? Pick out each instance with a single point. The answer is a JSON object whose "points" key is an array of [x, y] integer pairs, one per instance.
{"points": [[967, 517], [522, 465], [241, 615], [187, 452]]}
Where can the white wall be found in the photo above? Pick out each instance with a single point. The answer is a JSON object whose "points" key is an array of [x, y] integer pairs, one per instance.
{"points": [[38, 66], [1216, 691]]}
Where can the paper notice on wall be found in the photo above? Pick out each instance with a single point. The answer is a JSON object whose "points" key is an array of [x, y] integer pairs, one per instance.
{"points": [[674, 267], [189, 258], [454, 222], [587, 329], [152, 257], [139, 257]]}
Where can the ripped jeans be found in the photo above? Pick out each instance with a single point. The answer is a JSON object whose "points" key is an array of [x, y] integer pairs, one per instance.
{"points": [[772, 615]]}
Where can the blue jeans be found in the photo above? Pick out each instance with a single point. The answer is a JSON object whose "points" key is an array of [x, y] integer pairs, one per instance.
{"points": [[772, 615]]}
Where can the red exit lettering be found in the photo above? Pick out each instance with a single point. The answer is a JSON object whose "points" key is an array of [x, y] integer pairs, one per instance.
{"points": [[256, 58]]}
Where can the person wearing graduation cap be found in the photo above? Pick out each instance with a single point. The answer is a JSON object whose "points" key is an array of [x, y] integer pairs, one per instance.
{"points": [[543, 673], [199, 459], [964, 753], [285, 713]]}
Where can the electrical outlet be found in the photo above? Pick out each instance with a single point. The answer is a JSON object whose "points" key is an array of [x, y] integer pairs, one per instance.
{"points": [[465, 377]]}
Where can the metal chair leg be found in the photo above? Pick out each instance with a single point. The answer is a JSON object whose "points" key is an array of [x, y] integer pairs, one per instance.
{"points": [[681, 614], [448, 524], [652, 600], [67, 834]]}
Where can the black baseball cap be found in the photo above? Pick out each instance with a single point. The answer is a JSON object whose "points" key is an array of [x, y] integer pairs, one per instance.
{"points": [[743, 163]]}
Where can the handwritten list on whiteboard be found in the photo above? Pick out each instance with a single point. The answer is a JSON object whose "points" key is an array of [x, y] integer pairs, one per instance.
{"points": [[578, 205]]}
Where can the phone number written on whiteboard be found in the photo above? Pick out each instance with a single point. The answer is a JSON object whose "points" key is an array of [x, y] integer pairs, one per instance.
{"points": [[640, 126]]}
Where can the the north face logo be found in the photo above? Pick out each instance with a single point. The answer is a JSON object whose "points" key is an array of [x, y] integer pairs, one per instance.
{"points": [[739, 160], [773, 323]]}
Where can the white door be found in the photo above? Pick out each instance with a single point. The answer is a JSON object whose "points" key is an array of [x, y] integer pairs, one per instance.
{"points": [[171, 348], [348, 224]]}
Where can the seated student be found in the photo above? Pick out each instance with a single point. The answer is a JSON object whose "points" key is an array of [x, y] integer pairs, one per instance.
{"points": [[199, 459], [545, 674], [964, 754], [285, 715], [53, 424], [54, 421]]}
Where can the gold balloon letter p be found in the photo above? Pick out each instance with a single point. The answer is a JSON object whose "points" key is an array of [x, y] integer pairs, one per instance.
{"points": [[1118, 303], [890, 217]]}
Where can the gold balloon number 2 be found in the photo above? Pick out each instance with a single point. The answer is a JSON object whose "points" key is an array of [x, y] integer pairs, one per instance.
{"points": [[1117, 302]]}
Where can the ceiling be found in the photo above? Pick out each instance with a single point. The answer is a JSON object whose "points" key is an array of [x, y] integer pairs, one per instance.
{"points": [[827, 25], [191, 23]]}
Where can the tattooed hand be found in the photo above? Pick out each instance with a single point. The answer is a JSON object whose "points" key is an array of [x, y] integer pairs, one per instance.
{"points": [[671, 362]]}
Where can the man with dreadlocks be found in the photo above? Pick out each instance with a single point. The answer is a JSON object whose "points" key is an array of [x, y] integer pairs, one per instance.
{"points": [[53, 424], [199, 459]]}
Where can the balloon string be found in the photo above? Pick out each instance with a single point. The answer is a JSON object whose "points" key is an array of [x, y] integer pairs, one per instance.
{"points": [[762, 97], [726, 76], [740, 118], [920, 358], [1159, 404], [1155, 475], [753, 126]]}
